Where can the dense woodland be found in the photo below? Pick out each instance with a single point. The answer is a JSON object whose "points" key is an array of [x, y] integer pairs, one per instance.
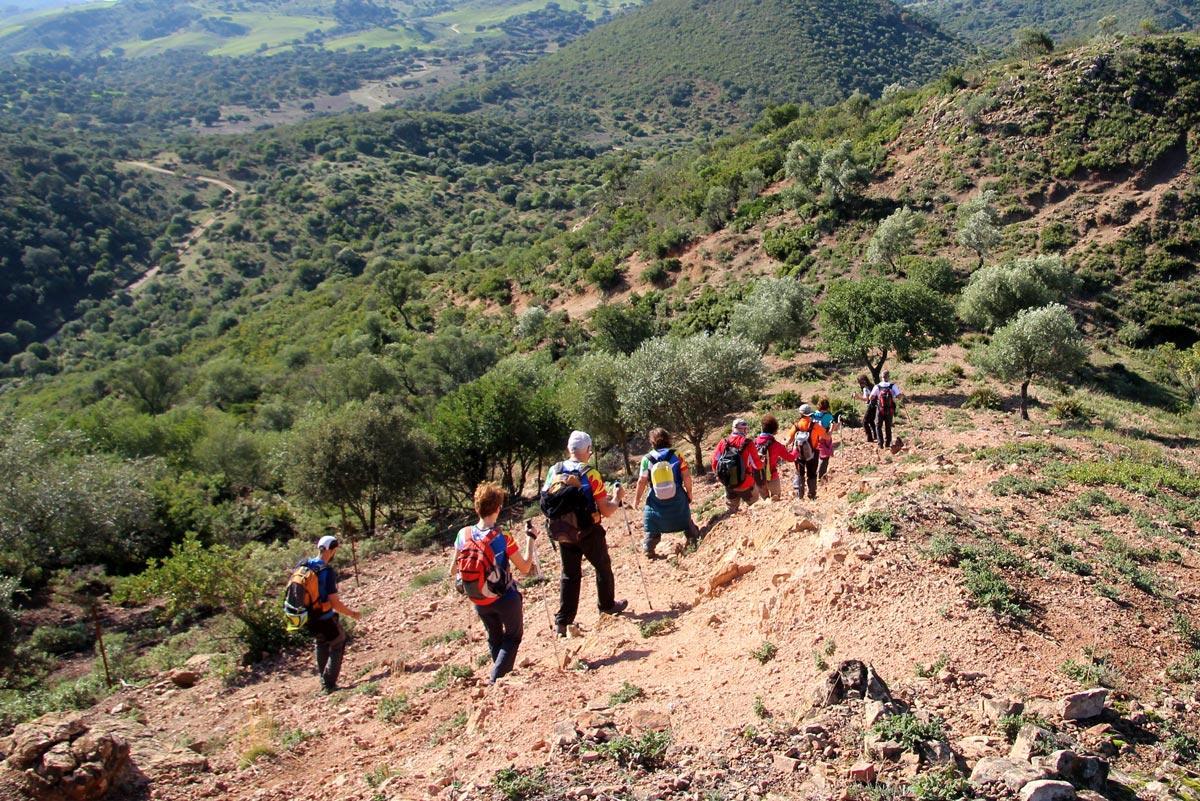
{"points": [[402, 282]]}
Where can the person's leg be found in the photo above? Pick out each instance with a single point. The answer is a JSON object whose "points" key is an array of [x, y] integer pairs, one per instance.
{"points": [[568, 589], [869, 424], [885, 431], [751, 495], [335, 648], [510, 616], [653, 535], [492, 624], [798, 479], [810, 469], [595, 549], [732, 500], [693, 531], [823, 468]]}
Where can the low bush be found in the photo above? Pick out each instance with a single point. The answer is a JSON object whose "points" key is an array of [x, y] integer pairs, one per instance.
{"points": [[648, 752], [519, 785], [989, 590], [1092, 670], [765, 652], [908, 730], [984, 398], [942, 784], [877, 521], [625, 693]]}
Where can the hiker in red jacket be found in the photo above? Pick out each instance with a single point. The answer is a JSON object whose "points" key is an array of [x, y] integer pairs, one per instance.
{"points": [[735, 461], [770, 453]]}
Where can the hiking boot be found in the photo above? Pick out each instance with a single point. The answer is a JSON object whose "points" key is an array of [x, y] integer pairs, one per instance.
{"points": [[560, 630], [617, 608], [649, 553]]}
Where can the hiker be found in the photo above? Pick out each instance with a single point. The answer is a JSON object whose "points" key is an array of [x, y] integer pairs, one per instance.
{"points": [[770, 453], [864, 385], [804, 438], [482, 554], [885, 394], [323, 622], [669, 501], [825, 446], [580, 534], [734, 461]]}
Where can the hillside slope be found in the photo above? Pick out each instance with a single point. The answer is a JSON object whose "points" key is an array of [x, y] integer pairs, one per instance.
{"points": [[723, 60]]}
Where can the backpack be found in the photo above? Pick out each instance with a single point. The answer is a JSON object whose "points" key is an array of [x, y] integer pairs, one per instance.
{"points": [[303, 594], [567, 503], [476, 572], [763, 445], [887, 401], [730, 467], [664, 475], [804, 445]]}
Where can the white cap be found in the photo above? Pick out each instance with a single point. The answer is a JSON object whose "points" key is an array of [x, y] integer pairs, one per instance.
{"points": [[327, 542], [579, 441], [739, 426]]}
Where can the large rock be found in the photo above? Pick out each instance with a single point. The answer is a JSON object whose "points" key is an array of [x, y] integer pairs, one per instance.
{"points": [[60, 758], [992, 709], [1006, 772], [728, 570], [1048, 790], [1083, 771], [851, 679], [1031, 740], [1083, 705]]}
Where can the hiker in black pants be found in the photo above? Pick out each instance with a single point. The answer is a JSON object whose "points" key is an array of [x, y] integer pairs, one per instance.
{"points": [[323, 622], [864, 385], [885, 395], [592, 543]]}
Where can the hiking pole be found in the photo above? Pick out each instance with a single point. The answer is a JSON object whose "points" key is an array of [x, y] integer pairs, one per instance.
{"points": [[636, 560], [549, 620]]}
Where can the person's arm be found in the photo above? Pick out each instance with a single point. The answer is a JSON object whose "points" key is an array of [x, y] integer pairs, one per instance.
{"points": [[687, 480], [896, 391], [643, 482], [341, 608], [605, 505], [782, 453], [523, 561]]}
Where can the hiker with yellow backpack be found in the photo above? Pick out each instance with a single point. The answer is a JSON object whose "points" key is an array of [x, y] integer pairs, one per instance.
{"points": [[666, 483], [481, 570], [311, 602]]}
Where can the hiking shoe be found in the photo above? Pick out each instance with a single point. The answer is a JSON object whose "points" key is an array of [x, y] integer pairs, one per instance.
{"points": [[617, 608], [560, 630], [649, 553]]}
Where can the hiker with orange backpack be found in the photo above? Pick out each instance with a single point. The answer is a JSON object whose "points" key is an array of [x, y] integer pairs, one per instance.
{"points": [[666, 483], [804, 438], [885, 394], [312, 602], [770, 454], [735, 461], [482, 555]]}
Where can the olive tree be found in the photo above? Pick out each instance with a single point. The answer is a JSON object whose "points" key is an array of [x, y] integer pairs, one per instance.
{"points": [[833, 171], [685, 384], [866, 321], [777, 311], [979, 224], [588, 398], [1183, 367], [1037, 343], [364, 456], [151, 384], [994, 294], [893, 238]]}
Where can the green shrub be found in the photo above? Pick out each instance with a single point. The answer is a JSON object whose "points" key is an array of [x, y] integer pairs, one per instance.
{"points": [[765, 652], [445, 638], [654, 628], [61, 639], [391, 708], [877, 521], [1009, 725], [434, 575], [984, 398], [1024, 486], [648, 751], [788, 244], [908, 730], [1093, 670], [944, 549], [1071, 409], [419, 537], [941, 784], [518, 785], [1184, 747], [447, 673], [989, 590], [1186, 670], [625, 693]]}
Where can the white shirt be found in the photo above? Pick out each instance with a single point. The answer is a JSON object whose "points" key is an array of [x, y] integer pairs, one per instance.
{"points": [[884, 385]]}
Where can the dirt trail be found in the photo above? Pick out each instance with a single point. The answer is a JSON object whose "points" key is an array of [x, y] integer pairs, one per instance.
{"points": [[817, 596], [194, 235]]}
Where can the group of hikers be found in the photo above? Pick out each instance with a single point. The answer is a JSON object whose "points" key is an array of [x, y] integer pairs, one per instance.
{"points": [[576, 501]]}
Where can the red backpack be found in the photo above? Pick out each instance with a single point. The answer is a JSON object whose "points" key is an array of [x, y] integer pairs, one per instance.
{"points": [[887, 400], [477, 575]]}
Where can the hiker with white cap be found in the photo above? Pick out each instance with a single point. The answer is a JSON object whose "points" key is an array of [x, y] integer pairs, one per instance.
{"points": [[805, 438], [323, 621], [885, 394], [735, 461], [575, 501]]}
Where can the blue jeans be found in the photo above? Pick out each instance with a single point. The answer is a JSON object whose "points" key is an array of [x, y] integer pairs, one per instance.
{"points": [[505, 625]]}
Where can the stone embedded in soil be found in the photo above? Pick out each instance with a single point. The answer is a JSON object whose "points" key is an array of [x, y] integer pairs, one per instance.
{"points": [[992, 709], [785, 764], [863, 773], [184, 678], [1031, 740], [649, 720], [60, 756], [851, 679], [878, 748], [1048, 790], [1001, 770], [976, 747], [806, 524], [1088, 771], [1084, 705], [936, 752]]}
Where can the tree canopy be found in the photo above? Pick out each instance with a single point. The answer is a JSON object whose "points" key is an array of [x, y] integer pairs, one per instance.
{"points": [[1036, 343], [994, 294]]}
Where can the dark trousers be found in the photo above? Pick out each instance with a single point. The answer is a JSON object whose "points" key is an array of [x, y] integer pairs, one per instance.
{"points": [[824, 467], [806, 469], [331, 644], [869, 422], [884, 426], [594, 548], [505, 624]]}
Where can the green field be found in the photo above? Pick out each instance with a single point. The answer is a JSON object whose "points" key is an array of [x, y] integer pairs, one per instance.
{"points": [[377, 37], [272, 30], [467, 16]]}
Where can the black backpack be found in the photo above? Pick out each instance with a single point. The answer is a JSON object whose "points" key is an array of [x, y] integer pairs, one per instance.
{"points": [[567, 503], [731, 470]]}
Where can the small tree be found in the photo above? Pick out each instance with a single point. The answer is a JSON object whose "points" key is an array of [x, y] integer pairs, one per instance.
{"points": [[1183, 366], [802, 162], [402, 286], [685, 384], [994, 294], [893, 238], [620, 328], [589, 398], [1037, 343], [363, 457], [716, 207], [777, 311], [979, 224], [152, 384], [1032, 42], [1108, 26], [866, 321], [841, 176]]}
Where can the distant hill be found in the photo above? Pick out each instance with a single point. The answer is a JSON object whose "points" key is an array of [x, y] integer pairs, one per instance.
{"points": [[725, 58], [993, 23]]}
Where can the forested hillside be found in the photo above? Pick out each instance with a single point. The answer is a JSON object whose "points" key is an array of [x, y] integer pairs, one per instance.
{"points": [[677, 61], [994, 23]]}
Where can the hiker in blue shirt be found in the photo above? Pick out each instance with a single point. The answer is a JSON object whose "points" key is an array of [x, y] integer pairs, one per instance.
{"points": [[323, 622]]}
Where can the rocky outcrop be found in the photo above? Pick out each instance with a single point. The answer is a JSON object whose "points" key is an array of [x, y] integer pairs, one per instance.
{"points": [[851, 680], [61, 758]]}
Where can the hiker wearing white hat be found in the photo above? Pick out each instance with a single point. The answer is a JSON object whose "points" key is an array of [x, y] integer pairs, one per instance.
{"points": [[323, 622]]}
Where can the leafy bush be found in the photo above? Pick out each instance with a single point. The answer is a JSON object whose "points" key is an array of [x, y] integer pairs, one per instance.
{"points": [[391, 708], [765, 652], [878, 521], [625, 693], [1009, 725], [654, 628], [1093, 670], [942, 784], [419, 536], [989, 590], [61, 639], [983, 398], [649, 751], [1069, 409], [789, 245], [1024, 486], [518, 785], [908, 730]]}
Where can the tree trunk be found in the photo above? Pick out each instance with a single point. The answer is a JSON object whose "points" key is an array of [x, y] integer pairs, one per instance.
{"points": [[698, 469], [876, 367], [625, 453], [1025, 399]]}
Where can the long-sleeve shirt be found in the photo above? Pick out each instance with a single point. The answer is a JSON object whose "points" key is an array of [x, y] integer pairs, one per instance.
{"points": [[776, 453], [750, 461]]}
